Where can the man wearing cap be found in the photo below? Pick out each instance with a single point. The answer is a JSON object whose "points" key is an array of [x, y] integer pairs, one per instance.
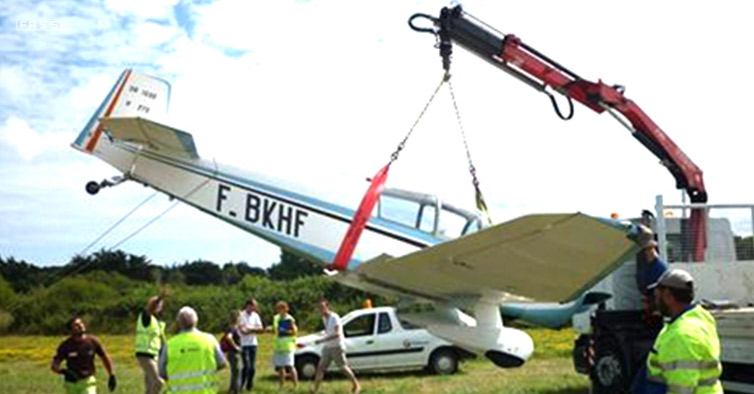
{"points": [[150, 338], [191, 359], [649, 264], [685, 358]]}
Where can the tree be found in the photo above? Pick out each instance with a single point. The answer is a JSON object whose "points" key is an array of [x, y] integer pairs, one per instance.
{"points": [[7, 295], [245, 269], [292, 267], [202, 272], [24, 276]]}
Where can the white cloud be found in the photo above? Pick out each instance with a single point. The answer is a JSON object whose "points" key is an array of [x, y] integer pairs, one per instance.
{"points": [[142, 8], [28, 143], [17, 133], [88, 95], [15, 84], [149, 34]]}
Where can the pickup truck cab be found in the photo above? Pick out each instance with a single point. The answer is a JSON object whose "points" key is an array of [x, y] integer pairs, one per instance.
{"points": [[377, 340]]}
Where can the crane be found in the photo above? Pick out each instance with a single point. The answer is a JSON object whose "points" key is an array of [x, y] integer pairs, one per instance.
{"points": [[510, 54]]}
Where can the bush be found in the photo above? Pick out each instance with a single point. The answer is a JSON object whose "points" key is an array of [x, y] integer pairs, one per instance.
{"points": [[7, 295], [6, 321], [110, 302], [46, 310]]}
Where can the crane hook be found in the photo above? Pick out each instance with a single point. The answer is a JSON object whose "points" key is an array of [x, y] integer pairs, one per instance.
{"points": [[422, 29], [441, 32]]}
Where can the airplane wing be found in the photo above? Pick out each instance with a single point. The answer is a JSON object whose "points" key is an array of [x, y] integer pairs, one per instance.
{"points": [[151, 135], [548, 258]]}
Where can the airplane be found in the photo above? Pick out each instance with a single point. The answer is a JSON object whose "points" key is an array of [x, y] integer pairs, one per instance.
{"points": [[415, 246]]}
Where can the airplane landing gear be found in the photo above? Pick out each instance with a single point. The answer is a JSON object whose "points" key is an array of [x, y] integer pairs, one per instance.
{"points": [[93, 187]]}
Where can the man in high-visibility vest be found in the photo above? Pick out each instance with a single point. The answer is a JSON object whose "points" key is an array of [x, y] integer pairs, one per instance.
{"points": [[191, 359], [150, 338], [685, 358]]}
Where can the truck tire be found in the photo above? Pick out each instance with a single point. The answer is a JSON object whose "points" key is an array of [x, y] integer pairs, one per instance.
{"points": [[610, 372], [306, 366], [443, 361]]}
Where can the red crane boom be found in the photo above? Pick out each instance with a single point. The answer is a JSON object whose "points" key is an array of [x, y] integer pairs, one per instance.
{"points": [[510, 54]]}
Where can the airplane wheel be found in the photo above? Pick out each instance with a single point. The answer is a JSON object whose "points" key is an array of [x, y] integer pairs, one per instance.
{"points": [[306, 366], [92, 187], [443, 362]]}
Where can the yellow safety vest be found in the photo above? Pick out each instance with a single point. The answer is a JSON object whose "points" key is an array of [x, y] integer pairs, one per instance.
{"points": [[285, 342], [191, 365], [686, 355], [149, 339]]}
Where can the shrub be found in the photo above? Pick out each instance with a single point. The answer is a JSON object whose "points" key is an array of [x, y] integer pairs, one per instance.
{"points": [[6, 321]]}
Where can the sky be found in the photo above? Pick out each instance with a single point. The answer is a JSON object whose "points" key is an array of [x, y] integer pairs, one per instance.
{"points": [[321, 92]]}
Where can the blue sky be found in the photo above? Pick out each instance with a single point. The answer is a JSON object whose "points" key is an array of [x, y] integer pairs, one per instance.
{"points": [[316, 91]]}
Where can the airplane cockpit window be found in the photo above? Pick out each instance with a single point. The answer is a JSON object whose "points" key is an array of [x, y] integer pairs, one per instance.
{"points": [[427, 218], [427, 213], [451, 224], [399, 210]]}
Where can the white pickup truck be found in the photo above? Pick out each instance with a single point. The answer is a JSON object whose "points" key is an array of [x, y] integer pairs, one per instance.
{"points": [[377, 340]]}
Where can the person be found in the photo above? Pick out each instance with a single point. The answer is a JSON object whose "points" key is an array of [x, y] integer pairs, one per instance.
{"points": [[78, 351], [190, 360], [649, 265], [285, 329], [334, 349], [250, 325], [230, 345], [685, 357], [150, 338]]}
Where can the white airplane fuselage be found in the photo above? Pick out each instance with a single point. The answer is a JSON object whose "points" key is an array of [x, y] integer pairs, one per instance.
{"points": [[291, 220]]}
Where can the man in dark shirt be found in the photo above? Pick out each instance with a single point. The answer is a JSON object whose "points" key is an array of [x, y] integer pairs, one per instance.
{"points": [[649, 265], [78, 352]]}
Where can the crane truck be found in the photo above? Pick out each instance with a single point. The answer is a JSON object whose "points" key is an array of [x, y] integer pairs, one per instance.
{"points": [[615, 338]]}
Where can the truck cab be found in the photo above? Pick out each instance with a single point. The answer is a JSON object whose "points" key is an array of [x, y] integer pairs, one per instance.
{"points": [[377, 340]]}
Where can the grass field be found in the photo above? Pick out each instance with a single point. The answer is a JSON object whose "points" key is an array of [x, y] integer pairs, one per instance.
{"points": [[24, 368]]}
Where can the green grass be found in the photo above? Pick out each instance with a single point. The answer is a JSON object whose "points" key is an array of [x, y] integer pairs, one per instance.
{"points": [[24, 368]]}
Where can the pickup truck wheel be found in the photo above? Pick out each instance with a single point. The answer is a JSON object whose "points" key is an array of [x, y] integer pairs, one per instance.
{"points": [[306, 366], [443, 362]]}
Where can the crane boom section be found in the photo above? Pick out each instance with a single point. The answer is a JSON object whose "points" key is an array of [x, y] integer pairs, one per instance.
{"points": [[509, 53]]}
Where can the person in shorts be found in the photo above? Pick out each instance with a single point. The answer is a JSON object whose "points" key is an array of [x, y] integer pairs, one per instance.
{"points": [[334, 349], [78, 352], [284, 327]]}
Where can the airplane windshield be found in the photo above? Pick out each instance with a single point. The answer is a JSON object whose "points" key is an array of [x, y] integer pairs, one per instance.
{"points": [[427, 213]]}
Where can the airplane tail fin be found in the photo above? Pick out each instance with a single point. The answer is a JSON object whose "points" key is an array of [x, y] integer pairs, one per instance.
{"points": [[133, 95]]}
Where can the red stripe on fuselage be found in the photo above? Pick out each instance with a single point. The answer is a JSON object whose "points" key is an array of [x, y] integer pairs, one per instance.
{"points": [[98, 131]]}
